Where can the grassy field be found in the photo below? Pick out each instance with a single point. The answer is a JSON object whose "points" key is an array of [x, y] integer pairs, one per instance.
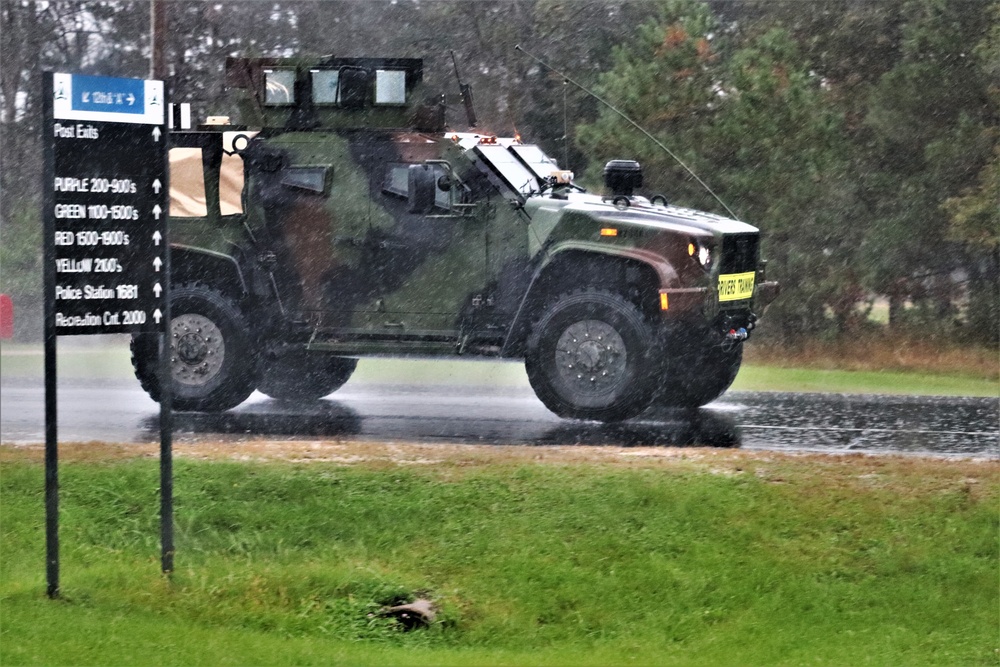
{"points": [[542, 556], [969, 373]]}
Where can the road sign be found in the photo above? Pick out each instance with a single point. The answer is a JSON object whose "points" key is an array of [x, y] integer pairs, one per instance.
{"points": [[105, 203], [105, 247]]}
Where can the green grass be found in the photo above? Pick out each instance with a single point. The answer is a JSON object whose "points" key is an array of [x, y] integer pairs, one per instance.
{"points": [[739, 559], [772, 378], [113, 361]]}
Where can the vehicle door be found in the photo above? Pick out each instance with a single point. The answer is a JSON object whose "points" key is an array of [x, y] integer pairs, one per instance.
{"points": [[430, 266]]}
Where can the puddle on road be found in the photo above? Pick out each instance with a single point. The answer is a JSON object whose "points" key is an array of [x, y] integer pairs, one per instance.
{"points": [[810, 422], [943, 425]]}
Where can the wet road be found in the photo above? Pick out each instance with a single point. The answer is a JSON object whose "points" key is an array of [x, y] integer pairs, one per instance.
{"points": [[118, 411]]}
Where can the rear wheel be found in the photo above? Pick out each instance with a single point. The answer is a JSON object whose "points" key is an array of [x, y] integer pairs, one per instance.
{"points": [[301, 376], [588, 357], [212, 361]]}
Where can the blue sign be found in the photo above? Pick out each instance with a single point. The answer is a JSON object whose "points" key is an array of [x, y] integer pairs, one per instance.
{"points": [[107, 99], [102, 93]]}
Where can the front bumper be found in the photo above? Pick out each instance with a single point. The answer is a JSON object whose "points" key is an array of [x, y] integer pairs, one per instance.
{"points": [[679, 302]]}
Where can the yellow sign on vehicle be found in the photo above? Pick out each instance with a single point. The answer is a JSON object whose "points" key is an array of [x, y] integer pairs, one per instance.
{"points": [[736, 286]]}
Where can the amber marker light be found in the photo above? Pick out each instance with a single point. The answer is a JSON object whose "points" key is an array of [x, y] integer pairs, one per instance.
{"points": [[691, 249], [664, 304], [609, 231]]}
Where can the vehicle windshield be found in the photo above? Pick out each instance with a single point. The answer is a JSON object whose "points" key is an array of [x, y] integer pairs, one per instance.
{"points": [[509, 168], [524, 167], [538, 162]]}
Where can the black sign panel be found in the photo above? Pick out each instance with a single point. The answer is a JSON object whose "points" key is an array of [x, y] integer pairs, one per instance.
{"points": [[105, 204]]}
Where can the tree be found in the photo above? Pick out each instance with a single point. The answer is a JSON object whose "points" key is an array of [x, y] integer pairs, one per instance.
{"points": [[926, 135], [974, 213], [781, 148], [93, 38], [757, 123]]}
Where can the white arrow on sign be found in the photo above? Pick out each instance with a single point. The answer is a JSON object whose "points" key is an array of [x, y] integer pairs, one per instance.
{"points": [[157, 237], [157, 315], [131, 99], [157, 263], [157, 290], [156, 186], [157, 211], [156, 133]]}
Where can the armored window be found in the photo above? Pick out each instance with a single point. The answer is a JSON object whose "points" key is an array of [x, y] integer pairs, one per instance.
{"points": [[187, 184], [279, 87], [390, 86], [398, 182], [324, 86], [355, 88], [310, 179]]}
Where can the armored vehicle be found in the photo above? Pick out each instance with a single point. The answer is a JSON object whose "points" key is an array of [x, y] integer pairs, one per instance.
{"points": [[343, 219]]}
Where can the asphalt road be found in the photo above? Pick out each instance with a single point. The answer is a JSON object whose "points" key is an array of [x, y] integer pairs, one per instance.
{"points": [[117, 410]]}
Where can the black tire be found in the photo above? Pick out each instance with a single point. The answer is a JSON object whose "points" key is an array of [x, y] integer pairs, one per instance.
{"points": [[301, 376], [588, 357], [700, 377], [212, 356]]}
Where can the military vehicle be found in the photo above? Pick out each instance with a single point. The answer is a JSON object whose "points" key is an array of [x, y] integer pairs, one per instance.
{"points": [[343, 219]]}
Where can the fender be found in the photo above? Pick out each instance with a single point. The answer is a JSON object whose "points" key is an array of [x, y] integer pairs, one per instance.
{"points": [[664, 272], [189, 263]]}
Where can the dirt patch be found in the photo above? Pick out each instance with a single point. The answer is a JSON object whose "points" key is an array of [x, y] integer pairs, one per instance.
{"points": [[902, 474], [879, 353]]}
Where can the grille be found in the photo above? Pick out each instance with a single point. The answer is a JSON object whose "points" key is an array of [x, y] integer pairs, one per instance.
{"points": [[739, 253]]}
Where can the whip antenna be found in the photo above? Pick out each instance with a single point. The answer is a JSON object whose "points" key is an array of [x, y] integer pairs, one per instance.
{"points": [[465, 89], [631, 122]]}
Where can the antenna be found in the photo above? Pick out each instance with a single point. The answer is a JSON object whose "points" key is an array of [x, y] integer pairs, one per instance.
{"points": [[631, 122], [466, 91], [565, 136]]}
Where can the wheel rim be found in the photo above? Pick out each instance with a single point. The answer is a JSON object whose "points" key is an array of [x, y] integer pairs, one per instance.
{"points": [[197, 349], [591, 357]]}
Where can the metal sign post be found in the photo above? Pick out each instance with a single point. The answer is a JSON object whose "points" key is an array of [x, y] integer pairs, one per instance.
{"points": [[106, 253]]}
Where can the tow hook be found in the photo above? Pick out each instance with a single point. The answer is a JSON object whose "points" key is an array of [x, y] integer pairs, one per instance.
{"points": [[737, 334]]}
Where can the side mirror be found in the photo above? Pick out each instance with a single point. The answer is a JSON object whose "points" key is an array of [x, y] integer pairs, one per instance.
{"points": [[422, 188]]}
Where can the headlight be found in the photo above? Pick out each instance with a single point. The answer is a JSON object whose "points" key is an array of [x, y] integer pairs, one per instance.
{"points": [[704, 256], [701, 252]]}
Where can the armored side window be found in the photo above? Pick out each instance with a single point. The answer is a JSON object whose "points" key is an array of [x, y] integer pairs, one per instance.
{"points": [[311, 179], [279, 87], [396, 179], [354, 88], [187, 184], [390, 86], [325, 84], [399, 181]]}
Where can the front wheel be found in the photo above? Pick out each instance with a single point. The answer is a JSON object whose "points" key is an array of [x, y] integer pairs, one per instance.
{"points": [[701, 376], [212, 362], [589, 357]]}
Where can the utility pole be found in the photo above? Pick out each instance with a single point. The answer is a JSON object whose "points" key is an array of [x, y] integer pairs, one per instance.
{"points": [[157, 39], [158, 72]]}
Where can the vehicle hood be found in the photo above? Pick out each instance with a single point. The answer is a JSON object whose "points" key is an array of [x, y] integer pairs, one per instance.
{"points": [[639, 212]]}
